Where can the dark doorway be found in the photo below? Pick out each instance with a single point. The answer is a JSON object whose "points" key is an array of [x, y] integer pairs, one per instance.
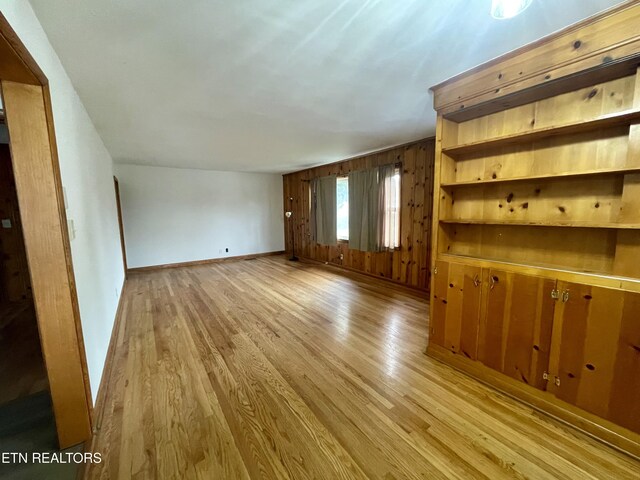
{"points": [[27, 421], [22, 370]]}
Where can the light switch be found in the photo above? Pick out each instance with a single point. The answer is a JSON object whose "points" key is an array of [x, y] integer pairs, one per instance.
{"points": [[72, 230], [6, 223]]}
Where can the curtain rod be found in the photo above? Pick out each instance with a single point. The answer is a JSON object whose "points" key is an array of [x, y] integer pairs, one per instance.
{"points": [[396, 164]]}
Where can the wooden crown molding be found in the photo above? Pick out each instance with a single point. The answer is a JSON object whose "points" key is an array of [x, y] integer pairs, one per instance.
{"points": [[16, 63], [610, 38]]}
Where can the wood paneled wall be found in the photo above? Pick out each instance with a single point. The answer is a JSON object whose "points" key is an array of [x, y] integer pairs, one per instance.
{"points": [[15, 284], [409, 264]]}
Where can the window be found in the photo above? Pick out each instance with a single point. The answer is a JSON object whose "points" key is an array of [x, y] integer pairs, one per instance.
{"points": [[342, 207], [391, 222]]}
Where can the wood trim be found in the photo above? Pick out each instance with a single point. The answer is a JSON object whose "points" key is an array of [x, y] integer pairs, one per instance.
{"points": [[17, 64], [435, 224], [116, 186], [204, 262], [602, 430], [602, 40], [103, 388], [535, 89], [541, 42], [57, 178]]}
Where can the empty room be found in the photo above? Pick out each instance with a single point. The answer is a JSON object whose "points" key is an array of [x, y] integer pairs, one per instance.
{"points": [[352, 239]]}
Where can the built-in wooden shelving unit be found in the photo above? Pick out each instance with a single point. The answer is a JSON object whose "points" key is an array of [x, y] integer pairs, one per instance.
{"points": [[519, 179], [536, 225]]}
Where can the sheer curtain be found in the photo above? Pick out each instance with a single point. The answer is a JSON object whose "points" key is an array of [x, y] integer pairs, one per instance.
{"points": [[388, 206], [363, 210], [313, 199], [325, 210]]}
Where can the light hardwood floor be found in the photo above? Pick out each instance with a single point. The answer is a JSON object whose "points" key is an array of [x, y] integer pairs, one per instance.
{"points": [[272, 369]]}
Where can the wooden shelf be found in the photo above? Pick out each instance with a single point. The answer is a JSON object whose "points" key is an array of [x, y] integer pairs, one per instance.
{"points": [[603, 121], [523, 223], [557, 176]]}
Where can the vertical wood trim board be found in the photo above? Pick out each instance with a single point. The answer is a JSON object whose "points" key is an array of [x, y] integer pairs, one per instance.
{"points": [[44, 225], [116, 185]]}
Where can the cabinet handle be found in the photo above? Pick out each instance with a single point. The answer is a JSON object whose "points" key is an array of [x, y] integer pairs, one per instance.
{"points": [[493, 280], [476, 280]]}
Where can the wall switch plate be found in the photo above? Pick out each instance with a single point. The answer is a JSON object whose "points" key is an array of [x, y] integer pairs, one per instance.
{"points": [[6, 223], [72, 230]]}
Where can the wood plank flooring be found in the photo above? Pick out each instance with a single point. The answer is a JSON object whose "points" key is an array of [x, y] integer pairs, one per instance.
{"points": [[272, 369]]}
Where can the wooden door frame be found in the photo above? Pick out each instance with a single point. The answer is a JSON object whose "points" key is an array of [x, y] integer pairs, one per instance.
{"points": [[34, 154], [116, 186]]}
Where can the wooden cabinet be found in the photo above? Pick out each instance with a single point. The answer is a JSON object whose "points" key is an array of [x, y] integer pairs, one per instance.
{"points": [[515, 331], [595, 360], [577, 342], [457, 294]]}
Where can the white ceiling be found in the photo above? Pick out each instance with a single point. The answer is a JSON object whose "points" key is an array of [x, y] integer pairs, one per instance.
{"points": [[275, 85]]}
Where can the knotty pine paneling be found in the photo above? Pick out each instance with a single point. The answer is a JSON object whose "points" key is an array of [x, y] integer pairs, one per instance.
{"points": [[409, 264]]}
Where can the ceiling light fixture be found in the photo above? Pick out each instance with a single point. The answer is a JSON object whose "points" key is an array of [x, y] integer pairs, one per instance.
{"points": [[503, 9]]}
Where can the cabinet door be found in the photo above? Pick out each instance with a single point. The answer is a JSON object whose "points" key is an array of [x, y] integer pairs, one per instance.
{"points": [[596, 352], [456, 310], [516, 326]]}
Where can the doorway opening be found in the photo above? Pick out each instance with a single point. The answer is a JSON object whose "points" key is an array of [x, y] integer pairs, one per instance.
{"points": [[22, 371], [28, 117], [27, 421]]}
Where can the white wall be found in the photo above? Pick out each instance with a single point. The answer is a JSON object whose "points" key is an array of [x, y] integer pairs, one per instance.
{"points": [[174, 215], [87, 170]]}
